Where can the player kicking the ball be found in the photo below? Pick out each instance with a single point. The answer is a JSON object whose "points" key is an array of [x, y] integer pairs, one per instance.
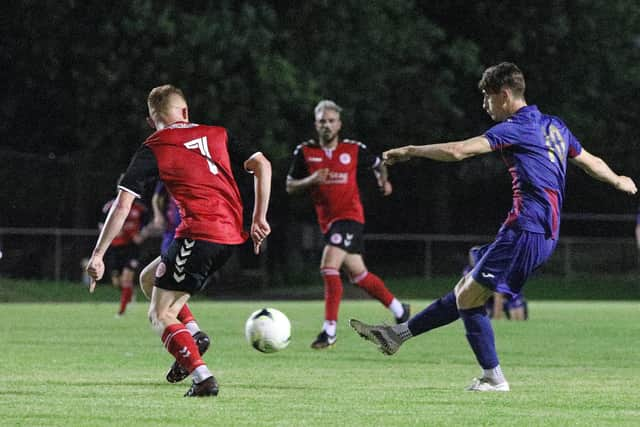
{"points": [[535, 147], [194, 162]]}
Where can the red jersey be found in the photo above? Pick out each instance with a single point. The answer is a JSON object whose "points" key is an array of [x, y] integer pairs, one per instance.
{"points": [[338, 197], [194, 162], [132, 225]]}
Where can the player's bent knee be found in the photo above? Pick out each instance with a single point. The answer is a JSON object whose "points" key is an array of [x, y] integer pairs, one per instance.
{"points": [[470, 294]]}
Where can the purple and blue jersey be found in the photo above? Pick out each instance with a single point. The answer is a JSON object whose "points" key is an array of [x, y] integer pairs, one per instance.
{"points": [[172, 216], [535, 147]]}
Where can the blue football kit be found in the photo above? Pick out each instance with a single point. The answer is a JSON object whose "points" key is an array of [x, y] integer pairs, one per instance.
{"points": [[535, 148]]}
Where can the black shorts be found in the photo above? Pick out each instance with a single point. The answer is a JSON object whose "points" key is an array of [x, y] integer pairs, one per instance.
{"points": [[347, 235], [187, 263], [120, 257]]}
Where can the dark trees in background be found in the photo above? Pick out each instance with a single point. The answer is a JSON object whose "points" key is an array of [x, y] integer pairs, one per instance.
{"points": [[77, 74]]}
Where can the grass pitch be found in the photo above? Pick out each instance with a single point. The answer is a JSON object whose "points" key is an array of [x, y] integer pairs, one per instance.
{"points": [[74, 364]]}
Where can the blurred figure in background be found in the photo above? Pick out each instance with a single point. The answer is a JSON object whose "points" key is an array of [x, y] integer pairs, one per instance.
{"points": [[122, 258], [166, 215], [327, 168]]}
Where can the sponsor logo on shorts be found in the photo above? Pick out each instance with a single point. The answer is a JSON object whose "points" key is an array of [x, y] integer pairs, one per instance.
{"points": [[488, 275], [336, 238]]}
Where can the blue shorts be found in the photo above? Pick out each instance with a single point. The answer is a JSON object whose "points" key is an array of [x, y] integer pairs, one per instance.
{"points": [[505, 265]]}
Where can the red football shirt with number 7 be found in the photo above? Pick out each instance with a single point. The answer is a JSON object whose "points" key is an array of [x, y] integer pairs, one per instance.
{"points": [[194, 162]]}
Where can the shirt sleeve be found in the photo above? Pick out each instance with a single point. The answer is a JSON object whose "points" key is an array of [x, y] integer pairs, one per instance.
{"points": [[298, 168], [501, 136], [141, 173], [239, 151], [366, 159], [575, 148]]}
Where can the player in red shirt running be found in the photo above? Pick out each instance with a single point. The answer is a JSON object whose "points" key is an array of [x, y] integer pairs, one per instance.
{"points": [[122, 256], [328, 169], [194, 162]]}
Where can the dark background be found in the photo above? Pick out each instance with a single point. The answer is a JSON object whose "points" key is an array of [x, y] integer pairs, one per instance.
{"points": [[76, 76]]}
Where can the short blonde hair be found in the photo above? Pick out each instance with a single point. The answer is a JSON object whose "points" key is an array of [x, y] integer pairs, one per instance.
{"points": [[326, 104], [158, 99]]}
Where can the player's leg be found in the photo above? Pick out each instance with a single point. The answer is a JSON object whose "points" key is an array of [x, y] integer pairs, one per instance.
{"points": [[126, 288], [375, 287], [176, 372], [504, 268], [163, 315], [183, 270], [498, 306], [471, 298], [389, 338], [332, 259], [148, 277], [516, 308]]}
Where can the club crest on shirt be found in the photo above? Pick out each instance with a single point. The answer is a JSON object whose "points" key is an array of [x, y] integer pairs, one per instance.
{"points": [[161, 269], [345, 158], [336, 238]]}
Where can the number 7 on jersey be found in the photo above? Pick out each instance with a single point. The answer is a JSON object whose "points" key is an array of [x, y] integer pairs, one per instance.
{"points": [[201, 144]]}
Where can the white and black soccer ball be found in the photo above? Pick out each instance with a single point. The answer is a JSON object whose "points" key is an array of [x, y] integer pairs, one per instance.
{"points": [[268, 330]]}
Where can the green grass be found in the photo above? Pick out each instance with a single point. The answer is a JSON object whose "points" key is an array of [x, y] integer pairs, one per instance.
{"points": [[74, 364]]}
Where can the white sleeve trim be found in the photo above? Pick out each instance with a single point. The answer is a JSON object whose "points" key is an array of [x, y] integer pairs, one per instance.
{"points": [[251, 157], [254, 155], [138, 196]]}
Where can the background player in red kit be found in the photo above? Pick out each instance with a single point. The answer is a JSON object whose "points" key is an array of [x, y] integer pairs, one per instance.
{"points": [[194, 162], [328, 168], [122, 256]]}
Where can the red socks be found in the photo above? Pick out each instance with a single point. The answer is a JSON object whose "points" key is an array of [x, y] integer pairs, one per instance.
{"points": [[178, 341], [332, 292], [185, 315], [374, 286], [125, 298]]}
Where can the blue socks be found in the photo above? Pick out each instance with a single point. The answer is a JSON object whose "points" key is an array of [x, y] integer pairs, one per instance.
{"points": [[441, 312], [476, 322], [480, 336]]}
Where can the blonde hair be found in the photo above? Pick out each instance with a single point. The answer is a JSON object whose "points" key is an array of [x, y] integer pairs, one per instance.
{"points": [[326, 104], [159, 97]]}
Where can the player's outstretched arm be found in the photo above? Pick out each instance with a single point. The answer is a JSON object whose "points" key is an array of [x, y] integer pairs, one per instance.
{"points": [[115, 220], [444, 152], [598, 169], [260, 166]]}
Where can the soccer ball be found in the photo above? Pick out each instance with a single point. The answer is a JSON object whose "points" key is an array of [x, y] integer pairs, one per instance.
{"points": [[268, 330]]}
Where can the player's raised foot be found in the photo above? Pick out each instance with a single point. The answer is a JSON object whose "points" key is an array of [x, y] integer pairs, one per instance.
{"points": [[177, 373], [323, 341], [383, 336], [208, 387], [406, 314], [485, 384]]}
